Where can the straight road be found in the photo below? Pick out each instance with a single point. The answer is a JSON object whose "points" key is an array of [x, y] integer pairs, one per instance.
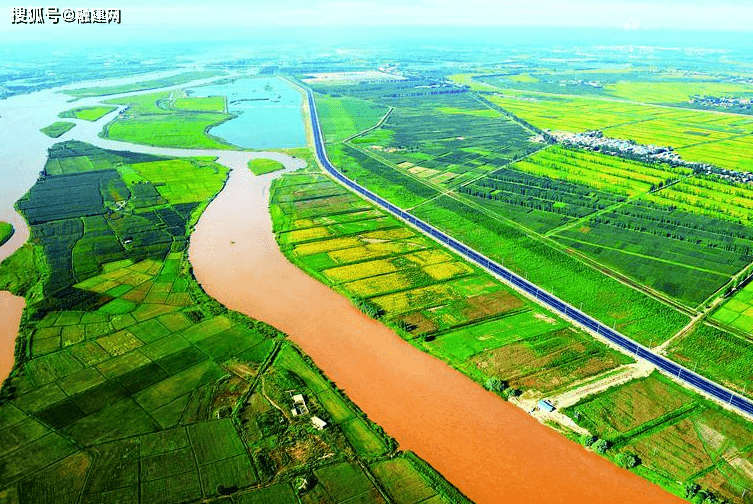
{"points": [[692, 379]]}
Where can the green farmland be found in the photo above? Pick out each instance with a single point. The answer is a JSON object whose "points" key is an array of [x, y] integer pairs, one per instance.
{"points": [[169, 119], [434, 299], [442, 157], [6, 231], [678, 438], [87, 113], [737, 312], [721, 138], [262, 166], [131, 384], [57, 128], [721, 355]]}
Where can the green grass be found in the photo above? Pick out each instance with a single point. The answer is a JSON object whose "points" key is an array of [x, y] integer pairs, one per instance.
{"points": [[168, 119], [262, 166], [678, 437], [6, 231], [737, 311], [57, 128], [186, 131], [343, 117], [200, 104], [86, 113], [622, 411], [403, 483]]}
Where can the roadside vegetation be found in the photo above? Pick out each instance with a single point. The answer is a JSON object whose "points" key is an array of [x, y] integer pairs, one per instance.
{"points": [[131, 384], [87, 113], [57, 128]]}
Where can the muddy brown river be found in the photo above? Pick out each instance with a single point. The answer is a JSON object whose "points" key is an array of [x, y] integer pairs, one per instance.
{"points": [[493, 451]]}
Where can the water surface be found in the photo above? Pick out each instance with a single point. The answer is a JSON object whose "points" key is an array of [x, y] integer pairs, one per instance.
{"points": [[268, 113]]}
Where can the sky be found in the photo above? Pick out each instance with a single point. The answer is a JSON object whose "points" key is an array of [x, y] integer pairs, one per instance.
{"points": [[142, 17]]}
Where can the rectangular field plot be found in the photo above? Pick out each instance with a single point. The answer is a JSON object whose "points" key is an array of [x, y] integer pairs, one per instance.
{"points": [[737, 312], [345, 481], [607, 173], [715, 198], [719, 355], [633, 407], [401, 480], [471, 340], [733, 153], [546, 361]]}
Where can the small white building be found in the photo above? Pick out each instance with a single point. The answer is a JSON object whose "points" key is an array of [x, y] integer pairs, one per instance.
{"points": [[299, 405], [318, 423]]}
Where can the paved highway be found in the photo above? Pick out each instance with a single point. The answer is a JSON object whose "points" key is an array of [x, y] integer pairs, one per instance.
{"points": [[689, 377]]}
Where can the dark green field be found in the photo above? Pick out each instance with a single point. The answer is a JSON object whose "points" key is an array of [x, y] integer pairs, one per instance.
{"points": [[57, 128]]}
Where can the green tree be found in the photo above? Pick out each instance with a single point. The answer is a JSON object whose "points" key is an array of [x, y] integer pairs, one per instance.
{"points": [[495, 384], [627, 460], [601, 446]]}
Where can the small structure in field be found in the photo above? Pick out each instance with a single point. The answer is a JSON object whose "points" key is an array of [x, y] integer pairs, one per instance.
{"points": [[299, 405], [318, 423], [545, 405]]}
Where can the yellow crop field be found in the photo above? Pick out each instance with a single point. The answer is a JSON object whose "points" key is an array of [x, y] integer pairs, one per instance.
{"points": [[302, 235], [388, 234], [379, 285], [431, 256], [305, 249], [360, 270], [444, 271], [373, 250], [401, 302]]}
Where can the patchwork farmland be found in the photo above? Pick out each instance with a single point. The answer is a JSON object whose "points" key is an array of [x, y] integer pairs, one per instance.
{"points": [[434, 299], [132, 385]]}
